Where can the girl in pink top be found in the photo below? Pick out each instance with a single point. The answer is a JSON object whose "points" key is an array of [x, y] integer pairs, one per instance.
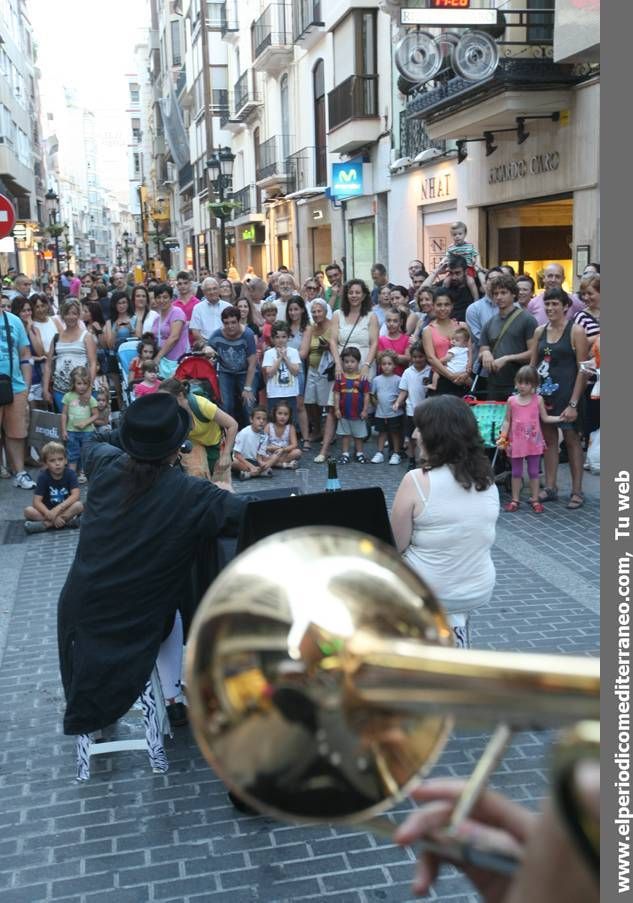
{"points": [[150, 382], [396, 340], [521, 434]]}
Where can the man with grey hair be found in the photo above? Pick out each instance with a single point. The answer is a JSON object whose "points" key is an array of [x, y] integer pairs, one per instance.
{"points": [[553, 277], [207, 314]]}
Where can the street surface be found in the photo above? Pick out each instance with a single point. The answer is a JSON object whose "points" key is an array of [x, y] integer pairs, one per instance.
{"points": [[128, 836]]}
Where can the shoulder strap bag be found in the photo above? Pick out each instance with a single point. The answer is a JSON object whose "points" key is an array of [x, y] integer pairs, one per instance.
{"points": [[6, 382], [505, 327]]}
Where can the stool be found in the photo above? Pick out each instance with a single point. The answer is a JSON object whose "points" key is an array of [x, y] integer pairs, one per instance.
{"points": [[156, 722]]}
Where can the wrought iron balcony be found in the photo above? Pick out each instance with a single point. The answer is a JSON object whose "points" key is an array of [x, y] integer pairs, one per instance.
{"points": [[355, 98], [414, 138], [307, 168], [526, 62], [229, 27], [307, 19], [245, 98], [246, 201], [272, 158], [272, 39]]}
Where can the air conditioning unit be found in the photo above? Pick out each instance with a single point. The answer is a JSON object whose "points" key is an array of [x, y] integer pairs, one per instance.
{"points": [[401, 163]]}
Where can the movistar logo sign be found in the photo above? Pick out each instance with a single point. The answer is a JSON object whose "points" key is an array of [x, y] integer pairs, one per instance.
{"points": [[347, 179]]}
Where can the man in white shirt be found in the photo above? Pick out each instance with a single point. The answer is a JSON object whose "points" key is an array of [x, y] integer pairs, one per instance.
{"points": [[207, 315]]}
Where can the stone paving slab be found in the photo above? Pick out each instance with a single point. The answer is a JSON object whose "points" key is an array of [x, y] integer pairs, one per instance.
{"points": [[128, 835]]}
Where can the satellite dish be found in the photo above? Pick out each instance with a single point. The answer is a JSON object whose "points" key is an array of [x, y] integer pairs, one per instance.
{"points": [[476, 56], [418, 57]]}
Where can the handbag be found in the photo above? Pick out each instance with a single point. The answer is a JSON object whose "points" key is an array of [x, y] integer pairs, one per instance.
{"points": [[6, 381], [329, 370], [44, 426]]}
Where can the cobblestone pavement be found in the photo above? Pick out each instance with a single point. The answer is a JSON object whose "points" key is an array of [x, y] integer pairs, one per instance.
{"points": [[128, 836]]}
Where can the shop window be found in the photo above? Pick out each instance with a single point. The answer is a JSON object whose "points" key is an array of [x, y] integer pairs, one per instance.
{"points": [[363, 248]]}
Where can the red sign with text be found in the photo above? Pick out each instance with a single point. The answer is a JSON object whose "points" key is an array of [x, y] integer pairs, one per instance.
{"points": [[450, 4], [7, 216]]}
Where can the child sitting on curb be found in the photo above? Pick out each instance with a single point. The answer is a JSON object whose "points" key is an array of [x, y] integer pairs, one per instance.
{"points": [[56, 498]]}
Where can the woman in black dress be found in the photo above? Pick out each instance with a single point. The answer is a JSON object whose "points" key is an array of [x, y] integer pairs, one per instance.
{"points": [[559, 349]]}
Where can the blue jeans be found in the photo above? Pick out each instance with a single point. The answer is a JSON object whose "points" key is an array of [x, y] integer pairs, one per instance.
{"points": [[76, 440], [231, 388]]}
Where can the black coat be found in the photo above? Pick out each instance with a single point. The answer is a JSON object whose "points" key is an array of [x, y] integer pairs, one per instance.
{"points": [[132, 570]]}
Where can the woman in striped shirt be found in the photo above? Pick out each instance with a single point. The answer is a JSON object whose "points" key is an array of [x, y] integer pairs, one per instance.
{"points": [[589, 318]]}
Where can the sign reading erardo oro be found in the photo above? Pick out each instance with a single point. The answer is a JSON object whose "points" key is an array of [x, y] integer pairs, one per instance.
{"points": [[537, 165]]}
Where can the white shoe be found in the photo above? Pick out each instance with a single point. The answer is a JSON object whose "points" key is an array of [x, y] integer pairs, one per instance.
{"points": [[395, 458], [5, 473], [378, 458], [23, 481]]}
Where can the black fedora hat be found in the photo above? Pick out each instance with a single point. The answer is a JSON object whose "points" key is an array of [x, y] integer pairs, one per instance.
{"points": [[153, 426]]}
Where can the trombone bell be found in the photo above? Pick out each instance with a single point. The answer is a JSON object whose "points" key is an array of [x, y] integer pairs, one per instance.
{"points": [[323, 687]]}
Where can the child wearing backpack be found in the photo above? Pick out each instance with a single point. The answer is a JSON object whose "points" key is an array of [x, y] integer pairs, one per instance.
{"points": [[210, 457]]}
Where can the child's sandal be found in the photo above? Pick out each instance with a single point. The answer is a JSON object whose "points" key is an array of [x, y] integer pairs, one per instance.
{"points": [[537, 507], [512, 506]]}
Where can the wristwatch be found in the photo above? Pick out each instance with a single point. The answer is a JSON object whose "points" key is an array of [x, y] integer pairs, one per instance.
{"points": [[572, 404], [250, 389]]}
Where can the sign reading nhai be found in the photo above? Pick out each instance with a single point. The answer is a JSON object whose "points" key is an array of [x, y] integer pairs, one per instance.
{"points": [[347, 179]]}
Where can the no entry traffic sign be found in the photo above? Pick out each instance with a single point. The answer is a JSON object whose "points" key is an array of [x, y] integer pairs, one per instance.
{"points": [[7, 216]]}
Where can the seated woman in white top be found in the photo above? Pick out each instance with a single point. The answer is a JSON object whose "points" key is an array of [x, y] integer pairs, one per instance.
{"points": [[445, 512]]}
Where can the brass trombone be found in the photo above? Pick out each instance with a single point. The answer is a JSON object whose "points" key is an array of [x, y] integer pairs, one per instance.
{"points": [[323, 687]]}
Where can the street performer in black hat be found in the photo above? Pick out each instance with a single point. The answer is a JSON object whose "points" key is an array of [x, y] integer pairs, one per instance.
{"points": [[143, 522]]}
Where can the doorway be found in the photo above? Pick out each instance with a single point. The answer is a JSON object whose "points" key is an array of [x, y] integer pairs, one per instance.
{"points": [[530, 236]]}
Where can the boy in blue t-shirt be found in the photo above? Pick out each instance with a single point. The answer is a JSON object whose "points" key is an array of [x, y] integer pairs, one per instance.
{"points": [[56, 501]]}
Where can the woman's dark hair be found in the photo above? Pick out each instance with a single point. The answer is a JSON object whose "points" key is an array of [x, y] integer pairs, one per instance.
{"points": [[143, 289], [442, 292], [163, 288], [102, 291], [365, 306], [250, 321], [298, 300], [114, 300], [450, 435], [557, 294], [402, 291], [96, 313], [17, 305]]}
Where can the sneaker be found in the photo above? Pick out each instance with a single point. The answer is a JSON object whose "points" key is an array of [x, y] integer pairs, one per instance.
{"points": [[34, 526], [23, 481], [343, 459], [82, 478], [378, 458], [360, 458], [395, 458]]}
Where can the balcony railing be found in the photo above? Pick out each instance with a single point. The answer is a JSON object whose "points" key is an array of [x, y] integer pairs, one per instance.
{"points": [[229, 21], [219, 101], [244, 95], [272, 29], [272, 157], [355, 98], [526, 60], [414, 138], [307, 168], [306, 14], [247, 201]]}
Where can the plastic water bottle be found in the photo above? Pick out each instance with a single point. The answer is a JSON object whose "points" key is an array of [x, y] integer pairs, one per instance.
{"points": [[333, 483]]}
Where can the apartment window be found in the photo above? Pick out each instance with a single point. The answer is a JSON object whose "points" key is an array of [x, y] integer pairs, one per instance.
{"points": [[176, 56], [366, 50], [318, 89], [540, 24], [136, 129], [135, 93], [137, 164]]}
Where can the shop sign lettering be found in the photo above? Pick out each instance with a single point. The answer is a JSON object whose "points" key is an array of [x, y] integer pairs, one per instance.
{"points": [[436, 187], [537, 165]]}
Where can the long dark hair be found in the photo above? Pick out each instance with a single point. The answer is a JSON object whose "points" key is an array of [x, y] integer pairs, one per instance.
{"points": [[142, 288], [114, 300], [96, 313], [303, 322], [450, 435], [365, 306], [139, 477]]}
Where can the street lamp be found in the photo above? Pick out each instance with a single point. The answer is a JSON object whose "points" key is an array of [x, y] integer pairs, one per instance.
{"points": [[54, 227], [126, 250], [220, 166]]}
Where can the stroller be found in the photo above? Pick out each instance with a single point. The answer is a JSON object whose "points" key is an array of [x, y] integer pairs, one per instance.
{"points": [[198, 370], [126, 352], [490, 416]]}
